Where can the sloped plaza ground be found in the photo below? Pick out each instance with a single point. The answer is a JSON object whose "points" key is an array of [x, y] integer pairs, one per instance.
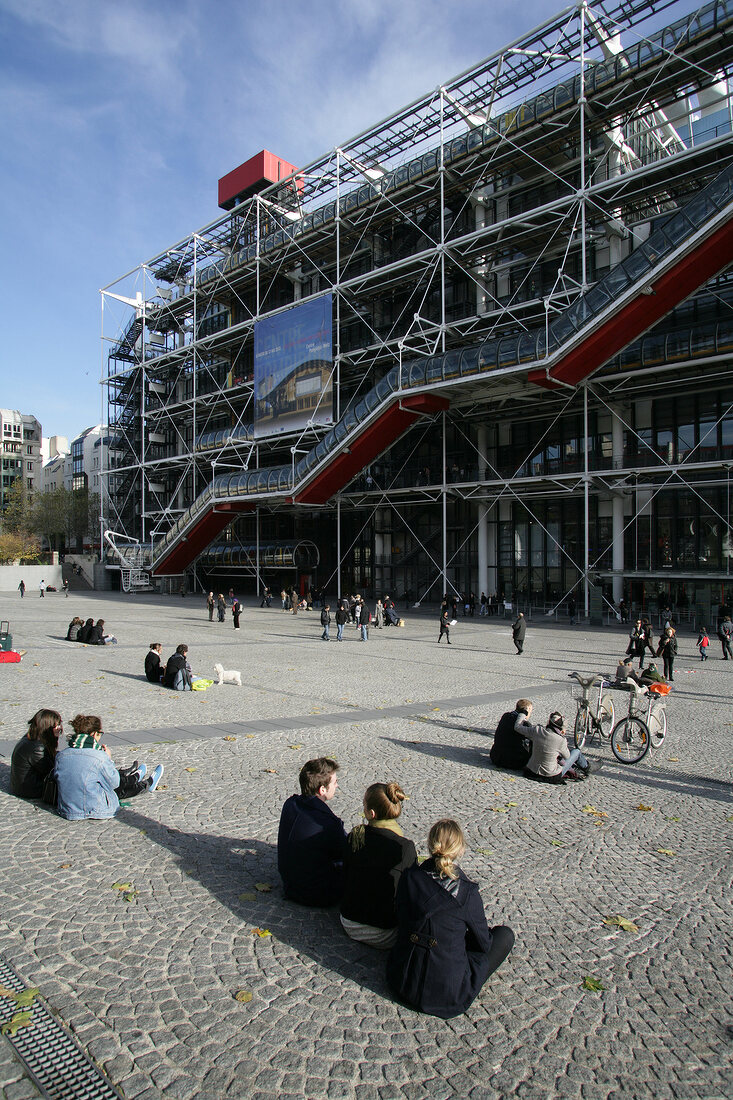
{"points": [[148, 985]]}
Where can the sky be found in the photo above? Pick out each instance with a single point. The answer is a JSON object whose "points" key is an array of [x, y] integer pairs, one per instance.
{"points": [[118, 118]]}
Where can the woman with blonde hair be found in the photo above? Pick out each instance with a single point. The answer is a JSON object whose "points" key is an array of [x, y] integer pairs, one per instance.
{"points": [[377, 853], [445, 950]]}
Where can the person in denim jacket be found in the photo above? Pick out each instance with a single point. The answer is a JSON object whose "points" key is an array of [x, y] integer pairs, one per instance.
{"points": [[89, 785]]}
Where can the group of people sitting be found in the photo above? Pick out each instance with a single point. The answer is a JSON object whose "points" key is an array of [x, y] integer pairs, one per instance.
{"points": [[80, 780], [429, 916], [175, 674], [538, 752], [89, 632]]}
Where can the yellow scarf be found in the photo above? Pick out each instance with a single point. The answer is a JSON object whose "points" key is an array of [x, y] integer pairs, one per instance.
{"points": [[358, 835]]}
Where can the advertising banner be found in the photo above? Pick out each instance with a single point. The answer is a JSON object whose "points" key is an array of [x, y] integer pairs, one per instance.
{"points": [[293, 360]]}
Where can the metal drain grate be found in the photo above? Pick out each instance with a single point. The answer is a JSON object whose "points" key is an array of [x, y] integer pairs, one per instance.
{"points": [[52, 1057]]}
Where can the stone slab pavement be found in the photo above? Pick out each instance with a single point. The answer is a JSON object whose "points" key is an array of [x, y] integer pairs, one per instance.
{"points": [[148, 985]]}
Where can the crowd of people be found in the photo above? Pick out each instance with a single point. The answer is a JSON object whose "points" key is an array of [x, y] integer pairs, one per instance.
{"points": [[79, 780], [429, 916]]}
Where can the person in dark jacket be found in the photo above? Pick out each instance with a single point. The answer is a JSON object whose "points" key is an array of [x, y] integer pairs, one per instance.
{"points": [[637, 642], [33, 756], [154, 671], [236, 612], [444, 951], [519, 632], [510, 750], [177, 671], [376, 855], [444, 625], [667, 650], [311, 840], [326, 622], [85, 631], [342, 617]]}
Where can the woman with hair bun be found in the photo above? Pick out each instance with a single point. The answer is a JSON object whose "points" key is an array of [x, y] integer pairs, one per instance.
{"points": [[376, 855], [444, 951]]}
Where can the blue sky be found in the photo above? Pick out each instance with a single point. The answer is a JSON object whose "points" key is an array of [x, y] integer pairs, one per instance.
{"points": [[117, 119]]}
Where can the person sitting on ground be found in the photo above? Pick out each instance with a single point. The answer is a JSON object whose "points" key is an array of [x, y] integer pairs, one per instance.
{"points": [[551, 760], [651, 675], [311, 840], [98, 635], [154, 671], [510, 750], [89, 785], [178, 674], [376, 855], [445, 950], [33, 756], [75, 626], [625, 672], [85, 631]]}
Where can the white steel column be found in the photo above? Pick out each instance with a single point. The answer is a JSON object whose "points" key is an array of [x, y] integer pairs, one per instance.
{"points": [[617, 440], [444, 495], [483, 517], [586, 503]]}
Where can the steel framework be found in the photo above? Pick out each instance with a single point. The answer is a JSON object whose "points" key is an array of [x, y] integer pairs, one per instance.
{"points": [[479, 212]]}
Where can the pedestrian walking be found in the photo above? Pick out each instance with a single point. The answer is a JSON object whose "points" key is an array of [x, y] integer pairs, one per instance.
{"points": [[364, 617], [444, 625], [221, 607], [725, 632], [236, 612], [703, 643], [42, 590], [210, 604], [66, 589], [21, 589], [667, 650], [326, 622], [637, 643], [519, 632]]}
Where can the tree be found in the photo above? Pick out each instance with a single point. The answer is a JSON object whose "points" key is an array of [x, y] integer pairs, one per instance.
{"points": [[17, 516], [19, 546]]}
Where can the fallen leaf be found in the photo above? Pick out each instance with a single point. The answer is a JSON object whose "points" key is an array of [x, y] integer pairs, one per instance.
{"points": [[261, 932], [482, 781], [263, 887], [230, 738], [248, 897], [588, 809], [679, 818], [620, 922], [24, 999], [189, 769], [557, 843], [499, 809], [666, 852], [483, 851], [270, 771], [250, 736], [509, 778], [64, 866], [130, 895], [19, 1020], [674, 759], [121, 885], [512, 803], [593, 983], [644, 808], [243, 996], [295, 746]]}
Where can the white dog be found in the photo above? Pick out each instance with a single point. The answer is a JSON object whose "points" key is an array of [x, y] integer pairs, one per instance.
{"points": [[227, 676]]}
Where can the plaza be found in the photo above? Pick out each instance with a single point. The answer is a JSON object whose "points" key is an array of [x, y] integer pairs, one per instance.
{"points": [[148, 986]]}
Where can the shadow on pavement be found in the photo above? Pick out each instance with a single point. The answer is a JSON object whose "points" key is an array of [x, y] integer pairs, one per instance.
{"points": [[230, 868], [473, 757]]}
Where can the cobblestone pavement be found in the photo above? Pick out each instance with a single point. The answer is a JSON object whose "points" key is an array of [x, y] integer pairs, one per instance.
{"points": [[148, 985]]}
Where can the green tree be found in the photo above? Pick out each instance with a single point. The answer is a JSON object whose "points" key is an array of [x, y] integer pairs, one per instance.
{"points": [[17, 515]]}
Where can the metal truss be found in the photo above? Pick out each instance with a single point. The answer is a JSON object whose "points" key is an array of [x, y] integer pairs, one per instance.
{"points": [[487, 241]]}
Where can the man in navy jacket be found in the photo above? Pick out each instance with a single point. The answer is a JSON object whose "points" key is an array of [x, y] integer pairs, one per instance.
{"points": [[311, 840]]}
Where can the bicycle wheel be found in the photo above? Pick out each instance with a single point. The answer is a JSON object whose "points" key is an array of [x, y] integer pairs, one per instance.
{"points": [[630, 740], [582, 725], [606, 716], [658, 726]]}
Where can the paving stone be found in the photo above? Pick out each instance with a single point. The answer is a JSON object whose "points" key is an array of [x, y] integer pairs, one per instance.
{"points": [[321, 1022]]}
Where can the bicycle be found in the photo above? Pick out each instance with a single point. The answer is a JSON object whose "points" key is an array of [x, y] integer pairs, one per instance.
{"points": [[590, 722], [634, 735]]}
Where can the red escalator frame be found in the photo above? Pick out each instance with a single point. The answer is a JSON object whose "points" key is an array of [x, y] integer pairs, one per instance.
{"points": [[711, 256], [204, 531]]}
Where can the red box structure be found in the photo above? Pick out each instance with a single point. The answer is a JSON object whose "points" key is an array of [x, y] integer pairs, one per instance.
{"points": [[257, 173]]}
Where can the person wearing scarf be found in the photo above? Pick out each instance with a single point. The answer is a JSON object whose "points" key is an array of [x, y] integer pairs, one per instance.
{"points": [[376, 855]]}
